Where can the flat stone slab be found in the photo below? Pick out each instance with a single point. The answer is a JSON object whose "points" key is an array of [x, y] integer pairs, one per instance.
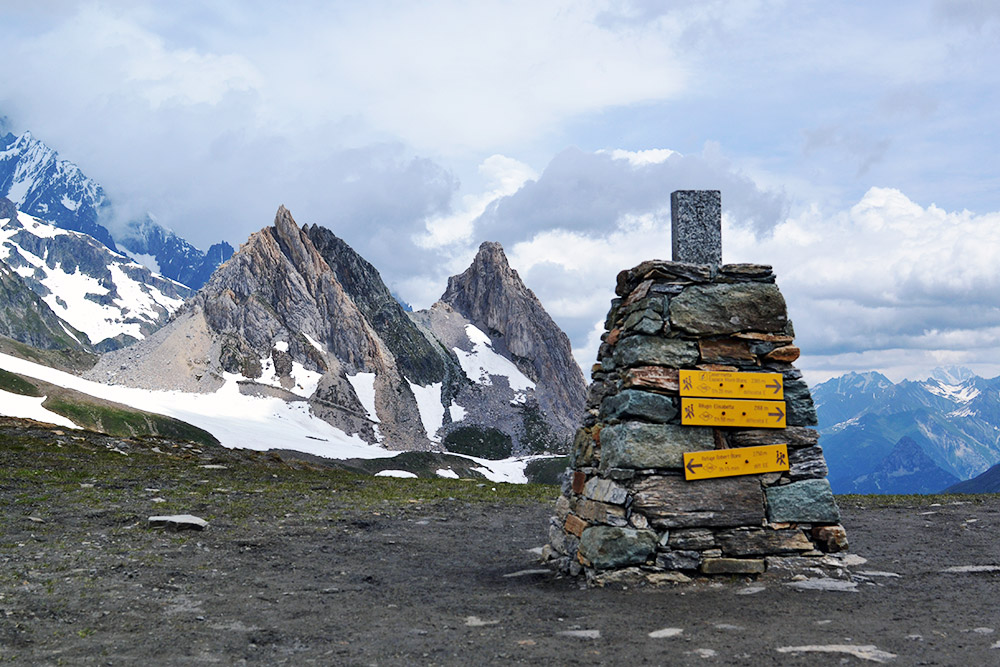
{"points": [[732, 566], [637, 445], [178, 522], [671, 502], [825, 584], [971, 569]]}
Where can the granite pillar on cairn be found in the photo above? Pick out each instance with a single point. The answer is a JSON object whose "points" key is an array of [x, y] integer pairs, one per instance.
{"points": [[627, 512]]}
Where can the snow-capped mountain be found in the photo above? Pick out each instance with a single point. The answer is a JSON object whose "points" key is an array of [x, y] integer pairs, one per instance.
{"points": [[952, 418], [54, 190], [40, 184], [159, 249], [104, 295]]}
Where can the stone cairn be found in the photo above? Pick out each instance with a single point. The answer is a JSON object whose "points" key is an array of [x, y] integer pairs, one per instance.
{"points": [[626, 508]]}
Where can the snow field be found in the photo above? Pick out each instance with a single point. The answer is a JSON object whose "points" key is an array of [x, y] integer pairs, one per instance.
{"points": [[236, 420]]}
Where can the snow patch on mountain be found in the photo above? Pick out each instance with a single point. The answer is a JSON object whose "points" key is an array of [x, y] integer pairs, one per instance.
{"points": [[235, 419], [40, 229], [364, 387], [483, 363], [315, 344], [149, 261], [959, 393], [429, 405], [304, 381], [953, 375]]}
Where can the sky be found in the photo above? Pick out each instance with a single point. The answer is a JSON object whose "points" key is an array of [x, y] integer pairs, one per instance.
{"points": [[855, 144]]}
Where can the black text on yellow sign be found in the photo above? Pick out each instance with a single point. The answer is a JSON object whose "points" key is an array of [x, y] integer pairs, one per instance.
{"points": [[733, 462], [718, 412], [726, 384]]}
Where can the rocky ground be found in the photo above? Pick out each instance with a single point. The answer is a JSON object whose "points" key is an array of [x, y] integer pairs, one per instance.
{"points": [[300, 565]]}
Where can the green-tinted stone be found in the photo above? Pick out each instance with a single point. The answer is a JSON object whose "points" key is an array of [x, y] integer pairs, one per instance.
{"points": [[635, 404], [808, 501], [637, 445], [729, 308], [607, 546], [655, 351], [798, 401]]}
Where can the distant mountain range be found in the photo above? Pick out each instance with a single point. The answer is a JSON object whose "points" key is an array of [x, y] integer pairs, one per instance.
{"points": [[908, 437], [54, 190]]}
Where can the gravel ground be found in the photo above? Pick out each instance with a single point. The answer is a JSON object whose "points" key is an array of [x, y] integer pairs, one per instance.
{"points": [[296, 572]]}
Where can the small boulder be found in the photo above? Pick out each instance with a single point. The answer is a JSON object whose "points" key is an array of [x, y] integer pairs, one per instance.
{"points": [[178, 522]]}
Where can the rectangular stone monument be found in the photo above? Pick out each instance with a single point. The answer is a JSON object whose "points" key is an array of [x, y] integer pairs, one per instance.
{"points": [[696, 226]]}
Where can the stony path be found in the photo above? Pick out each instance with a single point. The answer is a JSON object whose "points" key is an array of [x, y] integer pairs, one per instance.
{"points": [[452, 582]]}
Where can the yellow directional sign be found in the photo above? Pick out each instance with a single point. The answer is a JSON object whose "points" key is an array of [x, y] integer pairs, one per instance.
{"points": [[732, 462], [718, 412], [724, 384]]}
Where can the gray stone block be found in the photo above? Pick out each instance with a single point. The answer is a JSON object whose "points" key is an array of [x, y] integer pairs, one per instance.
{"points": [[729, 308], [733, 566], [798, 400], [691, 538], [655, 351], [678, 560], [635, 404], [638, 446], [696, 226], [810, 500], [605, 491], [807, 463]]}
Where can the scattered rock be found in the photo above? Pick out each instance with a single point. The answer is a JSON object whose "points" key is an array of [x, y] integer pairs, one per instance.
{"points": [[751, 590], [703, 652], [178, 522], [971, 569], [866, 652], [581, 634], [476, 622], [666, 633]]}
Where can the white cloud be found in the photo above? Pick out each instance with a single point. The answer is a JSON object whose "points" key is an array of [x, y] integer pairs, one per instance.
{"points": [[504, 176], [371, 118]]}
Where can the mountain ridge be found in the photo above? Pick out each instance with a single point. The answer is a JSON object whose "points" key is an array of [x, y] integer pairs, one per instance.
{"points": [[296, 314]]}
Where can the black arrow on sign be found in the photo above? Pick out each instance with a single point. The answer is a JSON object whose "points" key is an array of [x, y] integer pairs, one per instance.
{"points": [[692, 465], [779, 414], [776, 386]]}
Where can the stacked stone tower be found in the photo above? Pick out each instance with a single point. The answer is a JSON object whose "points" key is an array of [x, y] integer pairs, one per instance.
{"points": [[686, 461]]}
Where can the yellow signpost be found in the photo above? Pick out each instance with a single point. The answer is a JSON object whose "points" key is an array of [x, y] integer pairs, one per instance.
{"points": [[732, 462], [717, 412], [726, 384]]}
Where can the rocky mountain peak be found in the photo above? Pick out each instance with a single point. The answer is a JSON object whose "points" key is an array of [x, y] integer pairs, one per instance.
{"points": [[492, 296], [8, 211]]}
